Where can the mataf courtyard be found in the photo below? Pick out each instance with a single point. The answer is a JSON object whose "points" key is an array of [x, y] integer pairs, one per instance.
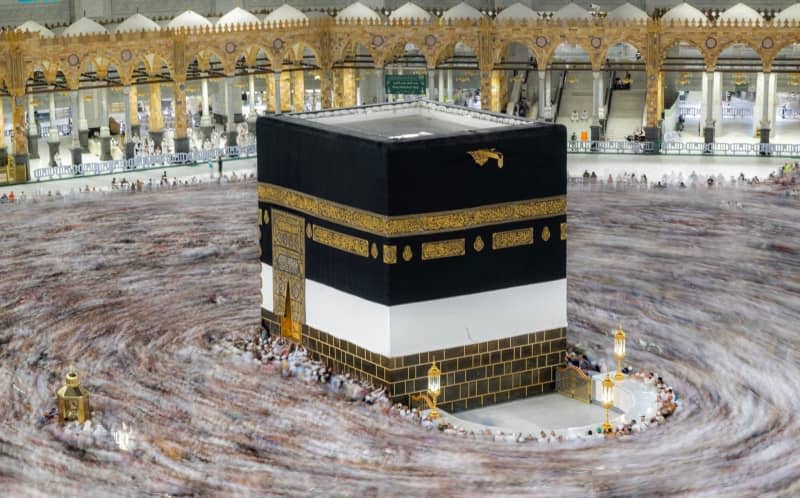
{"points": [[145, 294]]}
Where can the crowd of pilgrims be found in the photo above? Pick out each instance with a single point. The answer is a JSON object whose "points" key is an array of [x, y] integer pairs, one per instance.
{"points": [[293, 362], [787, 177], [124, 185]]}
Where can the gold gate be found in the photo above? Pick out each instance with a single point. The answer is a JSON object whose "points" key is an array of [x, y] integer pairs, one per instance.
{"points": [[289, 263], [573, 383]]}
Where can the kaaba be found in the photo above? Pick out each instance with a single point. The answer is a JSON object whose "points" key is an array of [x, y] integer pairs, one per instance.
{"points": [[416, 231]]}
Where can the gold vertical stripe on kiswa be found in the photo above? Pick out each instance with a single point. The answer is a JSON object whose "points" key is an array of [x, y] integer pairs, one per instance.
{"points": [[443, 249], [512, 238], [417, 224], [288, 263], [341, 241]]}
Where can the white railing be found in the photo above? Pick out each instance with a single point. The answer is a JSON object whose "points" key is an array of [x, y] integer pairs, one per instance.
{"points": [[725, 149], [144, 162], [736, 111]]}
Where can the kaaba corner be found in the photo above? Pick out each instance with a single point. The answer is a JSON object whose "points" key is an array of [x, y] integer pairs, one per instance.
{"points": [[412, 231]]}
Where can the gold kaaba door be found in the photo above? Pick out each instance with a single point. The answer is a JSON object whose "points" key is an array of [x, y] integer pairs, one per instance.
{"points": [[289, 263]]}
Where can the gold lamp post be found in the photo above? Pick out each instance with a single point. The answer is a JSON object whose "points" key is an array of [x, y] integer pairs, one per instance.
{"points": [[434, 390], [607, 400], [73, 400], [619, 352]]}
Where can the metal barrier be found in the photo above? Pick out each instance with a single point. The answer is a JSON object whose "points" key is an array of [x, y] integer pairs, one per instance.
{"points": [[725, 149], [144, 162]]}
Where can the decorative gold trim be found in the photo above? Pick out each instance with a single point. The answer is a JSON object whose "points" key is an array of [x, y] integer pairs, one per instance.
{"points": [[260, 216], [546, 233], [389, 254], [309, 231], [407, 254], [512, 238], [373, 251], [411, 225], [482, 156], [443, 249], [266, 217], [564, 231], [341, 241], [478, 245]]}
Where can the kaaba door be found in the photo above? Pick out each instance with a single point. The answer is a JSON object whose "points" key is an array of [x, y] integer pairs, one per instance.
{"points": [[289, 263]]}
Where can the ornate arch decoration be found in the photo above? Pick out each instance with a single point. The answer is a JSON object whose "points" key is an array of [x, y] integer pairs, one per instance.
{"points": [[503, 43], [674, 40]]}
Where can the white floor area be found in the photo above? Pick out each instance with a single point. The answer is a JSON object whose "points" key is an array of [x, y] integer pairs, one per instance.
{"points": [[538, 413]]}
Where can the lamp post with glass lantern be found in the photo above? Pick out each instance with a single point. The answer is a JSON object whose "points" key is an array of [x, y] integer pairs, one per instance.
{"points": [[619, 353], [434, 390], [607, 400]]}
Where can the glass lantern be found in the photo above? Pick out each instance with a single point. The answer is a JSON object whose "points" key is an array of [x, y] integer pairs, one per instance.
{"points": [[434, 380], [619, 352], [607, 399]]}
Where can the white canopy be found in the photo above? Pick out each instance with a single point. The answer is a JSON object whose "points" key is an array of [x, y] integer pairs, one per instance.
{"points": [[627, 12], [685, 12], [572, 11], [34, 27], [189, 19], [740, 12], [238, 15], [137, 22], [84, 26], [517, 11], [285, 13], [358, 11], [410, 11], [791, 13], [461, 11]]}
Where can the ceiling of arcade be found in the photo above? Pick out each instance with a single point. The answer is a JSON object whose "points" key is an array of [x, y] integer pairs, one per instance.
{"points": [[179, 54]]}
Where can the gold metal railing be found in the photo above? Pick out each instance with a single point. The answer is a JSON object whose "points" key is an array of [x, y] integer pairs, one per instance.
{"points": [[573, 383]]}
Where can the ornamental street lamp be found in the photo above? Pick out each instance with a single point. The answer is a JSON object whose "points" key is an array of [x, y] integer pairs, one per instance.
{"points": [[607, 399], [72, 401], [619, 353], [434, 390]]}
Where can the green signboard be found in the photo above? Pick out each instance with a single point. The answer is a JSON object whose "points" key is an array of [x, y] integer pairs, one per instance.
{"points": [[405, 84]]}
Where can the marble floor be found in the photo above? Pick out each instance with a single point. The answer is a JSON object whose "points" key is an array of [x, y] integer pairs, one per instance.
{"points": [[532, 415], [140, 292]]}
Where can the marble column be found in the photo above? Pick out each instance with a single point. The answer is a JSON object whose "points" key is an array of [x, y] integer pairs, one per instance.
{"points": [[708, 130], [33, 130], [450, 86], [156, 121], [380, 84], [541, 93], [765, 114], [206, 122], [3, 143], [105, 131], [83, 125], [53, 141], [133, 102], [441, 86], [597, 102], [75, 148], [181, 140], [431, 83], [252, 115], [231, 124], [130, 147]]}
